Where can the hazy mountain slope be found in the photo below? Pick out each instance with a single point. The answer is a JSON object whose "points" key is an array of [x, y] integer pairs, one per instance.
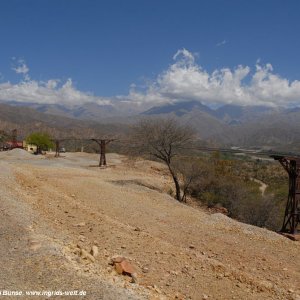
{"points": [[279, 131], [87, 111], [248, 126], [235, 114], [28, 119], [178, 108], [228, 125]]}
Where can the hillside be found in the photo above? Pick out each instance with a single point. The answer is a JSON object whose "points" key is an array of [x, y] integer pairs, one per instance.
{"points": [[276, 131], [228, 125], [26, 120], [55, 207]]}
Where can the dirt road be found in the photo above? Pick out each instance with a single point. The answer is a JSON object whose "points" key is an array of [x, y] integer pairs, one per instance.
{"points": [[51, 206]]}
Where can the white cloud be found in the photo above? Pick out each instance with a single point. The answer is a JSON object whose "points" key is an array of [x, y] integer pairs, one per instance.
{"points": [[21, 68], [182, 80], [49, 92], [186, 80], [53, 91], [221, 43]]}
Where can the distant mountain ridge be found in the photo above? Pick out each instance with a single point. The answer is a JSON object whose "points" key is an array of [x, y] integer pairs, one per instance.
{"points": [[228, 125], [178, 108], [27, 119], [230, 114]]}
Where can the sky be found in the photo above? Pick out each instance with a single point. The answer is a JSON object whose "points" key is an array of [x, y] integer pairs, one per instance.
{"points": [[142, 51]]}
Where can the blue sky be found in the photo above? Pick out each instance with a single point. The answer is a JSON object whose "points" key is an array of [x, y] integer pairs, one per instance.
{"points": [[105, 46]]}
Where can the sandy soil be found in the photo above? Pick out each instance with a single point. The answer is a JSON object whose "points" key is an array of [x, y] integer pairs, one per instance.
{"points": [[51, 206]]}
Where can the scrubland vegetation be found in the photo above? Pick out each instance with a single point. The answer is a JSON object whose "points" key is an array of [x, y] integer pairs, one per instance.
{"points": [[229, 182], [215, 179]]}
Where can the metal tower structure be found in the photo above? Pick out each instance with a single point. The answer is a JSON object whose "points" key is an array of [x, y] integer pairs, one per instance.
{"points": [[291, 220], [14, 141], [102, 145]]}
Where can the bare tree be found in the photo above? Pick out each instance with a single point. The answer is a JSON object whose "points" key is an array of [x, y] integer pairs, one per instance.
{"points": [[190, 171], [164, 140]]}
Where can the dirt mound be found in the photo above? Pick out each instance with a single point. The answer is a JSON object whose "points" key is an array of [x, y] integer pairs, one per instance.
{"points": [[18, 154]]}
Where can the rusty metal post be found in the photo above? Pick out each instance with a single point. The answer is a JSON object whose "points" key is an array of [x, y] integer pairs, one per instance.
{"points": [[102, 153], [292, 211], [56, 148], [14, 139], [102, 147]]}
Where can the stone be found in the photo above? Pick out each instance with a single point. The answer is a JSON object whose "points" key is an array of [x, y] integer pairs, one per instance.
{"points": [[117, 259], [124, 267], [134, 278], [119, 268], [127, 267], [81, 224], [85, 255], [34, 245], [81, 238], [76, 251], [94, 251]]}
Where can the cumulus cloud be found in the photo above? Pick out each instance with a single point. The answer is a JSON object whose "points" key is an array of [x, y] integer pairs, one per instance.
{"points": [[50, 92], [183, 80], [186, 80]]}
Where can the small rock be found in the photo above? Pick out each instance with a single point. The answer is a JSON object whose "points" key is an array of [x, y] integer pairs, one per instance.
{"points": [[119, 268], [145, 270], [137, 229], [191, 246], [134, 278], [80, 245], [204, 296], [34, 245], [94, 251], [81, 224], [117, 259], [81, 238], [84, 254], [76, 251], [174, 273], [124, 267], [127, 267]]}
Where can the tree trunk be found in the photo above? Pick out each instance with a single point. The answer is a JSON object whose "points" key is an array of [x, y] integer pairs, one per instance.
{"points": [[176, 182]]}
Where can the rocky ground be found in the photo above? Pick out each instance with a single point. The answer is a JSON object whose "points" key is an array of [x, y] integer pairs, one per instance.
{"points": [[55, 211]]}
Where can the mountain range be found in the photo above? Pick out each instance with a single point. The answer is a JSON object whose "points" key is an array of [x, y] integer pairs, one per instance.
{"points": [[229, 125]]}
